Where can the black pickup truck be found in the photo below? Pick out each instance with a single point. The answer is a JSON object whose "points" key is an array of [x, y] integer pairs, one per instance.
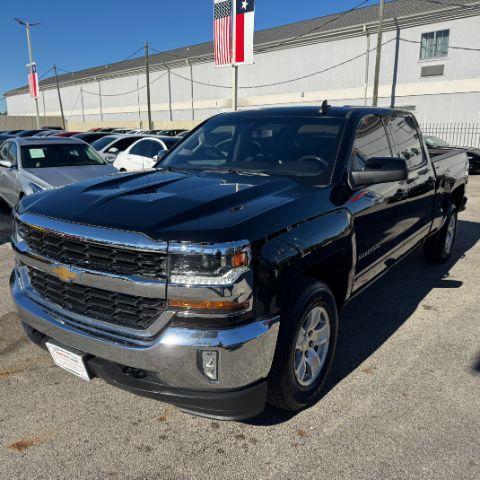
{"points": [[215, 281]]}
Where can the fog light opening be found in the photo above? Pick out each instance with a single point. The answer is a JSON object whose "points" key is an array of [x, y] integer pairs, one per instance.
{"points": [[209, 363]]}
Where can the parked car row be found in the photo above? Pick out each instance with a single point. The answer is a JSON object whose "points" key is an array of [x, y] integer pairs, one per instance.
{"points": [[164, 132], [32, 161]]}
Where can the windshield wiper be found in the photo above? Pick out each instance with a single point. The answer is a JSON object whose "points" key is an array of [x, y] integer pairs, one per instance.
{"points": [[238, 171]]}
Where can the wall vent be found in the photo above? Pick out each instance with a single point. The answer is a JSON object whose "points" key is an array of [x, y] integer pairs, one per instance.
{"points": [[432, 70]]}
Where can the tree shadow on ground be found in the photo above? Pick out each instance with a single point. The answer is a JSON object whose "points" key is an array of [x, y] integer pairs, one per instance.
{"points": [[370, 319]]}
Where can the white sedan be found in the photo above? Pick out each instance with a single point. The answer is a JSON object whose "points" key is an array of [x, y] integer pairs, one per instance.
{"points": [[143, 154]]}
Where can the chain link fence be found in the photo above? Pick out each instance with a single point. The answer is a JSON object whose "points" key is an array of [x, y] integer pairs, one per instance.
{"points": [[461, 134]]}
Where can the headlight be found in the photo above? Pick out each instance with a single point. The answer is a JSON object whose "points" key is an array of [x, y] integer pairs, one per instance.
{"points": [[192, 264]]}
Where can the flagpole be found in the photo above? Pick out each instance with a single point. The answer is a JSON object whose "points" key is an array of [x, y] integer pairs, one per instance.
{"points": [[234, 55]]}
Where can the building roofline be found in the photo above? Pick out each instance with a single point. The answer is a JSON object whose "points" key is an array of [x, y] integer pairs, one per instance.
{"points": [[203, 52]]}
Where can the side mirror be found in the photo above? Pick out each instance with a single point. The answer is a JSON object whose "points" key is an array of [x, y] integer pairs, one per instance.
{"points": [[380, 170], [113, 150], [5, 163]]}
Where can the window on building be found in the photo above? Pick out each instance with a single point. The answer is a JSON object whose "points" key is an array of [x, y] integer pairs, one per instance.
{"points": [[434, 44]]}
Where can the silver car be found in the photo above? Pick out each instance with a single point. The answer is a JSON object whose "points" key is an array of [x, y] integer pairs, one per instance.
{"points": [[31, 165]]}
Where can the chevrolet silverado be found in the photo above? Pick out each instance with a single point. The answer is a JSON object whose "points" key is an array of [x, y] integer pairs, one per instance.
{"points": [[215, 281]]}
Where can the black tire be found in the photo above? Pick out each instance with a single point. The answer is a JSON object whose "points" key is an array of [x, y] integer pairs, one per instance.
{"points": [[439, 247], [285, 392]]}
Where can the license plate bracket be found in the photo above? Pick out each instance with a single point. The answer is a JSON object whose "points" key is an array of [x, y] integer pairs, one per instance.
{"points": [[69, 360]]}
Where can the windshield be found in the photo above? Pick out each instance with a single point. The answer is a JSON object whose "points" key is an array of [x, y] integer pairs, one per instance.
{"points": [[103, 142], [284, 145], [60, 155]]}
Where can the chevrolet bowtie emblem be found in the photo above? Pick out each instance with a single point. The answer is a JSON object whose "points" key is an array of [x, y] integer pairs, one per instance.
{"points": [[64, 274]]}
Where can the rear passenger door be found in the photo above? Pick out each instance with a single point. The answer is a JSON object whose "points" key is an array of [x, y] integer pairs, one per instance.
{"points": [[376, 209], [417, 211]]}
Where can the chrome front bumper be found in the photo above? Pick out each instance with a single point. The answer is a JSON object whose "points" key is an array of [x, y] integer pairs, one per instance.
{"points": [[245, 352]]}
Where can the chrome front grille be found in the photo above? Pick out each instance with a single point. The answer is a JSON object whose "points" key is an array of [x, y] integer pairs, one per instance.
{"points": [[88, 254], [106, 306]]}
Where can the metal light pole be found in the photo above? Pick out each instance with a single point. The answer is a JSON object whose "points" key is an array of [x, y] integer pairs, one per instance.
{"points": [[28, 25], [381, 13], [149, 106]]}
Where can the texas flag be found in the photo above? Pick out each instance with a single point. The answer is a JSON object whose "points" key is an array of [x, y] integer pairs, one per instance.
{"points": [[33, 80], [244, 15]]}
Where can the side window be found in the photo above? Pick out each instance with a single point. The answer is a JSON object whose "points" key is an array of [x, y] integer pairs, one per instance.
{"points": [[153, 148], [140, 148], [407, 138], [123, 143], [370, 141], [158, 148]]}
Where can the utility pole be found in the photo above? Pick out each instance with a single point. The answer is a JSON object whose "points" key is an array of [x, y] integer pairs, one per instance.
{"points": [[367, 65], [234, 57], [59, 96], [381, 13], [149, 107], [191, 89], [169, 84], [27, 26]]}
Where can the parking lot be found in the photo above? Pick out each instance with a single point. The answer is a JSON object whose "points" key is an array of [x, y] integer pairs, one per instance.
{"points": [[403, 399]]}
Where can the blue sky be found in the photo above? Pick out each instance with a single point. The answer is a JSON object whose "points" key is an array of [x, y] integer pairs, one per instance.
{"points": [[81, 34]]}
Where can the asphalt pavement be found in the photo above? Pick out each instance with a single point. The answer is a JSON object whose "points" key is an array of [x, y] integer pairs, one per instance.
{"points": [[402, 402]]}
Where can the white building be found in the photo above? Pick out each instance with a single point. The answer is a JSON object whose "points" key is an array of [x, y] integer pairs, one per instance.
{"points": [[430, 65]]}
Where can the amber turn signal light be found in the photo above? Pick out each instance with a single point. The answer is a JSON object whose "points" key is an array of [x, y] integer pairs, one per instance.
{"points": [[205, 305], [239, 259]]}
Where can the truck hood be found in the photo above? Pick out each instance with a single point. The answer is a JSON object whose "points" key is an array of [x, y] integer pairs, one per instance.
{"points": [[59, 177], [203, 207]]}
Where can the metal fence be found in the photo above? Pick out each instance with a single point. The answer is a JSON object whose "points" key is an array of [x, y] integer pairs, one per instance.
{"points": [[456, 134]]}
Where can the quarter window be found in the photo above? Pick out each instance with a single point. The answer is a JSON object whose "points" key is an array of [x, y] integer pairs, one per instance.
{"points": [[434, 44]]}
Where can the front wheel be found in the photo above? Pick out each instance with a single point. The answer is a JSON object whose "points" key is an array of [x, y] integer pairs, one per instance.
{"points": [[305, 348], [438, 249]]}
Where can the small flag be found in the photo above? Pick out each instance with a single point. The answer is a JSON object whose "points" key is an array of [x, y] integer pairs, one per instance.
{"points": [[33, 80], [244, 23], [222, 32]]}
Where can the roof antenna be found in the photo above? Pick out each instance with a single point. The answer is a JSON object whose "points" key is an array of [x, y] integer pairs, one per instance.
{"points": [[325, 107]]}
